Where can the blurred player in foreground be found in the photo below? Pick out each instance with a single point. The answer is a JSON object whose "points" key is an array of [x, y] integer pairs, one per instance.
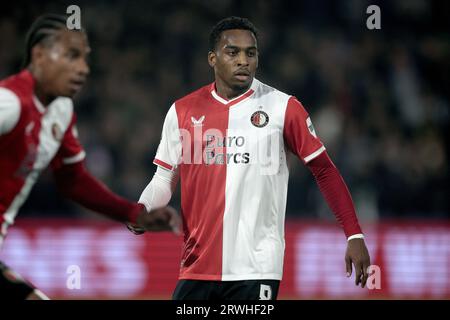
{"points": [[37, 129], [228, 141]]}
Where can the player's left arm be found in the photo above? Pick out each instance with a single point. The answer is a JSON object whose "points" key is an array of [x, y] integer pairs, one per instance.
{"points": [[302, 139], [76, 183], [338, 198]]}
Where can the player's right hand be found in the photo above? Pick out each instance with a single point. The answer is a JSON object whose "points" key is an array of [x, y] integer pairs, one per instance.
{"points": [[161, 219]]}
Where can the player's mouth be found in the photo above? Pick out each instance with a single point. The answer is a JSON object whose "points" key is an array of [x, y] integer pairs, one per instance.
{"points": [[76, 84], [242, 75]]}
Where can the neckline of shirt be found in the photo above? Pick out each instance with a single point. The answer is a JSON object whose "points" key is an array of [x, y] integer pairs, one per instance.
{"points": [[235, 100], [39, 106]]}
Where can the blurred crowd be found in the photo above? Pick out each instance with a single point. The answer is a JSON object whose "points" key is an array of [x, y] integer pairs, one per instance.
{"points": [[379, 99]]}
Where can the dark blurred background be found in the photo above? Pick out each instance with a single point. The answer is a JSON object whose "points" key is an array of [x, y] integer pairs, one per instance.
{"points": [[379, 99]]}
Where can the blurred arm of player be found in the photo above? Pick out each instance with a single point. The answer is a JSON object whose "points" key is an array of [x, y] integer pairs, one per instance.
{"points": [[76, 183], [157, 195], [303, 141]]}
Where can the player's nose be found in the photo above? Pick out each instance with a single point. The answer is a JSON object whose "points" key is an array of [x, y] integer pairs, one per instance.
{"points": [[83, 68], [242, 59]]}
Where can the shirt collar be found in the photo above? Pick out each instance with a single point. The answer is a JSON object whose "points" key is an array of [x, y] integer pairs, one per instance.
{"points": [[235, 100], [38, 104]]}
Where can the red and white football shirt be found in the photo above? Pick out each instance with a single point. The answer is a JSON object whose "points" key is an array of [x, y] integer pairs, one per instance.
{"points": [[231, 156], [31, 137]]}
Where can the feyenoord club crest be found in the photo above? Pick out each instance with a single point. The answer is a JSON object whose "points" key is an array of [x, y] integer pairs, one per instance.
{"points": [[259, 119], [57, 132]]}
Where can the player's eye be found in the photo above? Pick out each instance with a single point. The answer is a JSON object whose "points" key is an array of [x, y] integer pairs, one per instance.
{"points": [[251, 53], [233, 53], [73, 54]]}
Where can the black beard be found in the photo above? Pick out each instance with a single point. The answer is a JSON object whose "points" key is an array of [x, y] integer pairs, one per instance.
{"points": [[240, 88]]}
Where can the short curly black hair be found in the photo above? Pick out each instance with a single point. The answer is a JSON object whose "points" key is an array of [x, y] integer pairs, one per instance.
{"points": [[230, 23]]}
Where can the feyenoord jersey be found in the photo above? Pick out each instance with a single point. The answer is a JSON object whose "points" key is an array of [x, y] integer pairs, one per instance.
{"points": [[31, 137], [231, 157]]}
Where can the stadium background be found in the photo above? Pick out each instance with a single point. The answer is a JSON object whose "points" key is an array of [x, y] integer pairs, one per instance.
{"points": [[379, 100]]}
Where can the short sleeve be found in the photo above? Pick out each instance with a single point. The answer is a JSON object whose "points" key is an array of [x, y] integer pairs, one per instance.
{"points": [[168, 155], [70, 150], [299, 133], [9, 110]]}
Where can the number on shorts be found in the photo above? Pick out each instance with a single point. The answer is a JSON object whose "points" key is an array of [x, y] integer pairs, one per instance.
{"points": [[265, 292]]}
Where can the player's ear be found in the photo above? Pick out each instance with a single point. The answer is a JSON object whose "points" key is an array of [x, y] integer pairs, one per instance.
{"points": [[37, 53], [212, 59]]}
